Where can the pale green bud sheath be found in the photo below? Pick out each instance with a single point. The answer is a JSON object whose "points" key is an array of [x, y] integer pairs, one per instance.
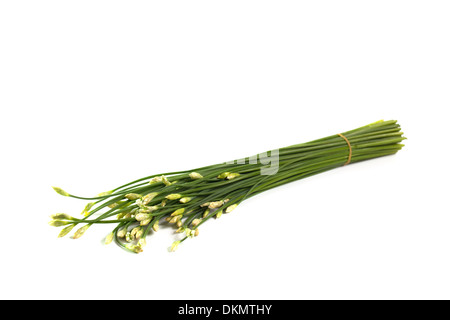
{"points": [[61, 216], [174, 246], [80, 231], [155, 180], [87, 208], [142, 243], [155, 226], [139, 234], [142, 216], [223, 175], [185, 199], [215, 204], [65, 231], [122, 232], [195, 175], [59, 223], [178, 212], [173, 196], [146, 221], [231, 208], [134, 248], [149, 197], [231, 176], [109, 238], [133, 196], [166, 181], [61, 191]]}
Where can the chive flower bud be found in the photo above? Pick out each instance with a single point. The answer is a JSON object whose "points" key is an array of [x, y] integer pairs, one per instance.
{"points": [[174, 246], [65, 231], [216, 204], [195, 222], [155, 180], [80, 231], [185, 199], [231, 176], [142, 216], [173, 196], [61, 216], [122, 232], [59, 223], [146, 221], [109, 238], [178, 212], [165, 181], [231, 208], [87, 208], [219, 214], [223, 175], [61, 191], [148, 198], [133, 196], [195, 175]]}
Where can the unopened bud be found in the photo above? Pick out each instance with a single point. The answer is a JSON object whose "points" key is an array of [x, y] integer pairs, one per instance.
{"points": [[185, 199], [139, 234], [65, 231], [155, 180], [109, 238], [59, 223], [178, 212], [195, 175], [195, 222], [61, 216], [180, 230], [173, 196], [223, 175], [134, 231], [179, 223], [87, 208], [148, 198], [61, 191], [174, 246], [80, 231], [216, 204], [205, 204], [142, 216], [133, 248], [129, 237], [205, 214], [219, 214], [165, 181], [196, 232], [146, 221], [231, 208], [133, 196], [142, 243], [232, 176], [122, 232], [155, 226]]}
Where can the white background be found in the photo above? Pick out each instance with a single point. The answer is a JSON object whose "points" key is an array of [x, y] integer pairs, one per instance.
{"points": [[94, 94]]}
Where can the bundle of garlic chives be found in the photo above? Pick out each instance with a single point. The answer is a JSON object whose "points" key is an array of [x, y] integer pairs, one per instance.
{"points": [[187, 199]]}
